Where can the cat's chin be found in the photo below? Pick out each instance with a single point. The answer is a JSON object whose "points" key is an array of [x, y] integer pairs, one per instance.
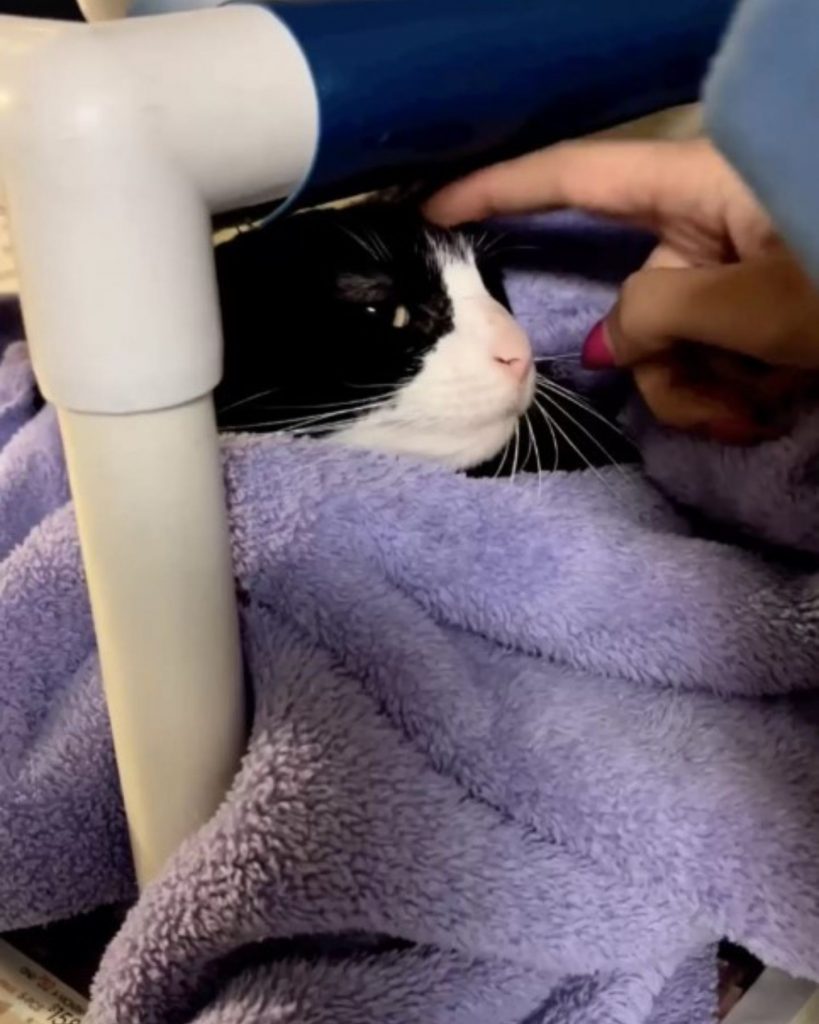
{"points": [[459, 446]]}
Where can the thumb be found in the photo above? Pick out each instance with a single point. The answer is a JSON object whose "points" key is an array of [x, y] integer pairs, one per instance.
{"points": [[765, 308]]}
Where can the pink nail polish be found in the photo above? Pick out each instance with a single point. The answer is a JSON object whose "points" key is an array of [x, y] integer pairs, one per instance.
{"points": [[597, 353]]}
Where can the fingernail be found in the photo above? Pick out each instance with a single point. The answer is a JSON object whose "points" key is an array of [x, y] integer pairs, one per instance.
{"points": [[597, 353]]}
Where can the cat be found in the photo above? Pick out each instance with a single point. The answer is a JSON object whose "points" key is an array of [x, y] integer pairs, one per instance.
{"points": [[368, 327]]}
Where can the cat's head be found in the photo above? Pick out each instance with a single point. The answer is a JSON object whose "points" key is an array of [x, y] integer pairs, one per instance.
{"points": [[368, 325]]}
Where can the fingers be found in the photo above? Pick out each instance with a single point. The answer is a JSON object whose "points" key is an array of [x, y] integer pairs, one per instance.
{"points": [[618, 178], [729, 352], [764, 308], [678, 404], [665, 255], [711, 403]]}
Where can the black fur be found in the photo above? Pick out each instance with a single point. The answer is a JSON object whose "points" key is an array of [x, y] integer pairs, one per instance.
{"points": [[308, 305]]}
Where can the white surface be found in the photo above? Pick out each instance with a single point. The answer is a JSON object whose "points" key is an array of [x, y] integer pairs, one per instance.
{"points": [[150, 508], [116, 141], [777, 998]]}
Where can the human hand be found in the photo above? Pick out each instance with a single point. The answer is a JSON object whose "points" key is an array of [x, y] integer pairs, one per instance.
{"points": [[752, 364], [684, 192], [718, 287]]}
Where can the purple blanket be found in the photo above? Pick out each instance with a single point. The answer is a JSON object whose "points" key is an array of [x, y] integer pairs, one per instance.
{"points": [[520, 753]]}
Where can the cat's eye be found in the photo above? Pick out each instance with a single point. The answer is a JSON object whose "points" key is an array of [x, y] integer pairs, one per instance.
{"points": [[401, 317]]}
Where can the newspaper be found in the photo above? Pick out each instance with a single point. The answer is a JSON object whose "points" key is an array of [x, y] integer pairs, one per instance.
{"points": [[31, 995]]}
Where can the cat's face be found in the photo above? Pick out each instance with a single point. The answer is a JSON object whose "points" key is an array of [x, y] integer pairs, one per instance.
{"points": [[372, 328]]}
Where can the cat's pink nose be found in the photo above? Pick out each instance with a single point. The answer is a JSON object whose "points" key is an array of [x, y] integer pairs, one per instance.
{"points": [[511, 350]]}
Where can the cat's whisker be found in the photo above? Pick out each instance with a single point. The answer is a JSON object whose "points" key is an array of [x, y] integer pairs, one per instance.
{"points": [[548, 421], [374, 386], [598, 444], [357, 403], [247, 400], [543, 384], [586, 408], [297, 422], [499, 250], [502, 463], [331, 427], [318, 405], [578, 451], [330, 414], [559, 358], [305, 421], [354, 402], [378, 244], [365, 245], [533, 441], [516, 456], [480, 242], [489, 242], [313, 432], [429, 310], [549, 392], [555, 426], [550, 384], [528, 455]]}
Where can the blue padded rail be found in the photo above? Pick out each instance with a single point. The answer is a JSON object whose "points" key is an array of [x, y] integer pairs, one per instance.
{"points": [[419, 88]]}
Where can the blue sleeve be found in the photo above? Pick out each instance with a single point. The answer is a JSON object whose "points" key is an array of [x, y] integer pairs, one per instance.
{"points": [[762, 111]]}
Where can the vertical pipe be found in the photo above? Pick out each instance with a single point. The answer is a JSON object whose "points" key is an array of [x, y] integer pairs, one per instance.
{"points": [[150, 510], [119, 281]]}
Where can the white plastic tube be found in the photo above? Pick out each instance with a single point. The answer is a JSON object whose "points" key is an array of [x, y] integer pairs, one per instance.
{"points": [[116, 142], [150, 511]]}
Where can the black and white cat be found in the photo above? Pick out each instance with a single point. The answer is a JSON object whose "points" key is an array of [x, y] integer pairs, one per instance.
{"points": [[371, 328]]}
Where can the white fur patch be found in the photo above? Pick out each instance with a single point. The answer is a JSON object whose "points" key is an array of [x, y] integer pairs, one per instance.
{"points": [[462, 407]]}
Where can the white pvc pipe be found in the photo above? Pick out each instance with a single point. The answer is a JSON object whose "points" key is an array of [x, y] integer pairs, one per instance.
{"points": [[116, 142], [150, 511]]}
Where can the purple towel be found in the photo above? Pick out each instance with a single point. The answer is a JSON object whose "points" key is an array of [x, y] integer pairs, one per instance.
{"points": [[520, 753]]}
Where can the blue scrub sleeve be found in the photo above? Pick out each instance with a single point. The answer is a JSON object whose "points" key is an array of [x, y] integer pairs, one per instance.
{"points": [[762, 111]]}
